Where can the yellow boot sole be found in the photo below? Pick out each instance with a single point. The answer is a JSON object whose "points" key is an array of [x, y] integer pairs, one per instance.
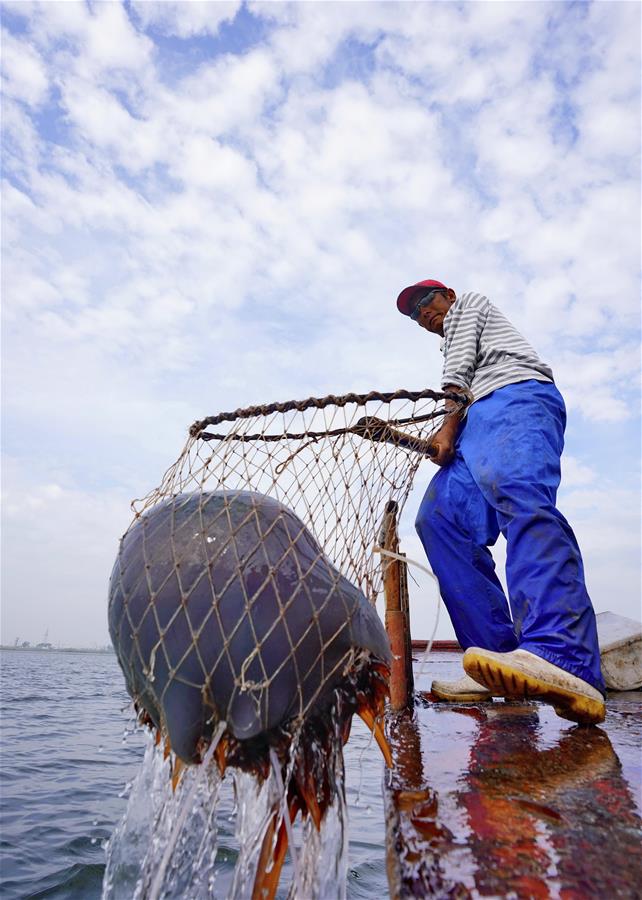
{"points": [[452, 697], [505, 680]]}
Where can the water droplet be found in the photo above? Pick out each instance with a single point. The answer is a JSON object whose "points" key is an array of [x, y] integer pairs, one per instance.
{"points": [[126, 789]]}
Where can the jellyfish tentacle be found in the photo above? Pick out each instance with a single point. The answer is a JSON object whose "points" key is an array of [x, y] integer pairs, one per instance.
{"points": [[268, 870], [374, 725]]}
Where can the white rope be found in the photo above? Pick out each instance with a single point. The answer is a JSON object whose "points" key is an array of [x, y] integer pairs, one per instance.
{"points": [[285, 814], [157, 883], [413, 562]]}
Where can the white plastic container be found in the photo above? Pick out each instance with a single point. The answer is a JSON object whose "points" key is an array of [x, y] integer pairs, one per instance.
{"points": [[620, 641]]}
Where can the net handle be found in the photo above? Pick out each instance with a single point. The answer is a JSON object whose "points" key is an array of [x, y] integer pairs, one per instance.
{"points": [[321, 402], [374, 429]]}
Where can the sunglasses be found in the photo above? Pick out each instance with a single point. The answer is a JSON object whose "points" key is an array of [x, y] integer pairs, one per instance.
{"points": [[424, 300]]}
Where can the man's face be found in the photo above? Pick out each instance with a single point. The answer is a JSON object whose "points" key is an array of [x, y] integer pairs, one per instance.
{"points": [[431, 317]]}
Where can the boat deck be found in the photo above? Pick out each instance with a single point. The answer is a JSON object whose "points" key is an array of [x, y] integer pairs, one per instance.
{"points": [[505, 799]]}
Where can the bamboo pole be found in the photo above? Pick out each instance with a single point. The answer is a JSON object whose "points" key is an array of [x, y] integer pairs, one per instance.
{"points": [[397, 617], [405, 608]]}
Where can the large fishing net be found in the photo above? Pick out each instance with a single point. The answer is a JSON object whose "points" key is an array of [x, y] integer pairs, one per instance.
{"points": [[335, 461], [239, 588], [238, 592]]}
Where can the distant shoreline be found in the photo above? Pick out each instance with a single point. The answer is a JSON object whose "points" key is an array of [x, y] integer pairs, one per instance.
{"points": [[105, 650], [417, 646]]}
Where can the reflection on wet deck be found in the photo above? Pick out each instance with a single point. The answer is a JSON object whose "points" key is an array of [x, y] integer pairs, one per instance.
{"points": [[508, 800]]}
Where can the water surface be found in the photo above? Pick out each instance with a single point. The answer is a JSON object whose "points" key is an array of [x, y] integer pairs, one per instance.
{"points": [[66, 764]]}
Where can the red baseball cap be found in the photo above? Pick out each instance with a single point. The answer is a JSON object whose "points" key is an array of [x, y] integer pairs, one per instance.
{"points": [[403, 300]]}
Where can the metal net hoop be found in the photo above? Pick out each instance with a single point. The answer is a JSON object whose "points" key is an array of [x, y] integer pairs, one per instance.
{"points": [[335, 461]]}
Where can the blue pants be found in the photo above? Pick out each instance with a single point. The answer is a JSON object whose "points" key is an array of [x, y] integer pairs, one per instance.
{"points": [[504, 478]]}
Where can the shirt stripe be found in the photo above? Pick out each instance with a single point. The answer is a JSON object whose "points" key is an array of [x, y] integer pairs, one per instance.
{"points": [[483, 351]]}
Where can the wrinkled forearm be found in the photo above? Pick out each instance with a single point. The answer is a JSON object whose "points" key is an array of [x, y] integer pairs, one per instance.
{"points": [[455, 411], [443, 441]]}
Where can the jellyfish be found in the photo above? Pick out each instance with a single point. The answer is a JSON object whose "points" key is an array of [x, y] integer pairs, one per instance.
{"points": [[233, 627]]}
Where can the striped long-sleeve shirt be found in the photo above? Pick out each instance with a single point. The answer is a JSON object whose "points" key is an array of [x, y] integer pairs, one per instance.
{"points": [[483, 351]]}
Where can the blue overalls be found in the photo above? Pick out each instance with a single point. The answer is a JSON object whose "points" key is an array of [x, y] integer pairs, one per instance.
{"points": [[504, 478]]}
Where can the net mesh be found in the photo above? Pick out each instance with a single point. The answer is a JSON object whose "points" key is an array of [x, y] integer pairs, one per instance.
{"points": [[238, 592], [334, 461]]}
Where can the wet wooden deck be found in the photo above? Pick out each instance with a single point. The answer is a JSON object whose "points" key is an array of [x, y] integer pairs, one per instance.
{"points": [[507, 800]]}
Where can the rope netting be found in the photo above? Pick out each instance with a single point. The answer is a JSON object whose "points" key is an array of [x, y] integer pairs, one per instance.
{"points": [[241, 588], [334, 461]]}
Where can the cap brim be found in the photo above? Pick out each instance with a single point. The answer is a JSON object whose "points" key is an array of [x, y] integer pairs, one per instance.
{"points": [[404, 300]]}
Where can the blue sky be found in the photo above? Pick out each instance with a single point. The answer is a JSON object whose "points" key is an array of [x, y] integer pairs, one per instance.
{"points": [[209, 205]]}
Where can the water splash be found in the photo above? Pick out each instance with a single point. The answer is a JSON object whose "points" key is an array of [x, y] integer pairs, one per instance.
{"points": [[323, 857], [137, 848], [254, 809]]}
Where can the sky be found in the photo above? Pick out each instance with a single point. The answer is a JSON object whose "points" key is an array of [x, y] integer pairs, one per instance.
{"points": [[212, 205]]}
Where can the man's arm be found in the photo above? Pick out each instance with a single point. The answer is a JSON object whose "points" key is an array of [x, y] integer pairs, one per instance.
{"points": [[443, 441]]}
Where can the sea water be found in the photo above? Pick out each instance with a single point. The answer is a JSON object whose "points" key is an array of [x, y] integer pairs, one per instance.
{"points": [[70, 758]]}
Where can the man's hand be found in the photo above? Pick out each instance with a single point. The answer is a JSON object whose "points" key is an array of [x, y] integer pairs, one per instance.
{"points": [[444, 447]]}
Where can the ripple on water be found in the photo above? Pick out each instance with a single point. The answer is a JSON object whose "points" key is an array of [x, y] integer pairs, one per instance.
{"points": [[75, 881]]}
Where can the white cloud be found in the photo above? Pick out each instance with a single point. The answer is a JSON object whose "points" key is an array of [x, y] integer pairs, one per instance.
{"points": [[575, 473], [186, 18], [599, 383], [112, 43], [56, 553], [606, 522], [608, 96], [24, 76], [101, 35]]}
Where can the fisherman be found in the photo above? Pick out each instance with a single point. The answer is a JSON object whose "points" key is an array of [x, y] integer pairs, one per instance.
{"points": [[499, 460]]}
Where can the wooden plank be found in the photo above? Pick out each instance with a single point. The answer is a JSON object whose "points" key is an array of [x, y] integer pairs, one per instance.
{"points": [[419, 646]]}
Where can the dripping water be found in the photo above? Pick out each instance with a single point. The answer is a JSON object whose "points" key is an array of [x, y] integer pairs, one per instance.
{"points": [[323, 856], [137, 850]]}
